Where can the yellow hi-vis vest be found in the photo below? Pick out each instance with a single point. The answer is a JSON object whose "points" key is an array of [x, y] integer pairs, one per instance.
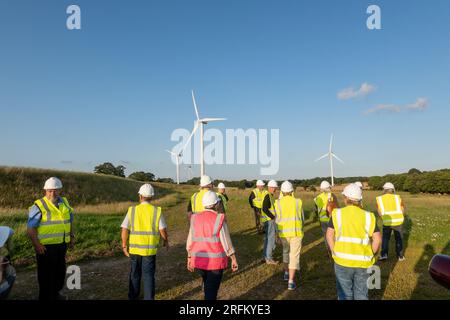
{"points": [[289, 217], [391, 209], [54, 227], [224, 201], [353, 228], [264, 216], [144, 233], [259, 197], [321, 202], [196, 201]]}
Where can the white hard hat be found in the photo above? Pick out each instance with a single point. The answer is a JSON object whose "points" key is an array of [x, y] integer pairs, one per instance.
{"points": [[209, 198], [325, 185], [146, 190], [287, 187], [353, 192], [272, 184], [260, 183], [204, 181], [388, 186], [53, 183], [359, 184], [221, 186]]}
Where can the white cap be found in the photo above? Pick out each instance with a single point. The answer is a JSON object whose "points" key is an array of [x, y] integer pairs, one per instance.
{"points": [[209, 198], [325, 185], [204, 181], [353, 192], [260, 183], [388, 186], [146, 190], [221, 186], [359, 184], [287, 187], [53, 183], [272, 184]]}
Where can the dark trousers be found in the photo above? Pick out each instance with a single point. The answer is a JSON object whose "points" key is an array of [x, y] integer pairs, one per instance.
{"points": [[398, 234], [211, 282], [51, 271], [257, 212], [142, 267]]}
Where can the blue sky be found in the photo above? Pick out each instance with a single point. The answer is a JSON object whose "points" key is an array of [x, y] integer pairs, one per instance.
{"points": [[116, 89]]}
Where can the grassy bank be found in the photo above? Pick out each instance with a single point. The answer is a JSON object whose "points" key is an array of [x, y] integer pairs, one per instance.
{"points": [[19, 187]]}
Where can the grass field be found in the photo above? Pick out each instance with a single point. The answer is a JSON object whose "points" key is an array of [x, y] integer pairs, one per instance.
{"points": [[103, 267]]}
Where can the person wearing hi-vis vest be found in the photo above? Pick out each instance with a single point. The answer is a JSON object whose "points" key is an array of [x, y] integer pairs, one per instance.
{"points": [[209, 246], [143, 227], [255, 200], [49, 227], [195, 203], [354, 239], [289, 218], [321, 202], [268, 221], [223, 197], [391, 210]]}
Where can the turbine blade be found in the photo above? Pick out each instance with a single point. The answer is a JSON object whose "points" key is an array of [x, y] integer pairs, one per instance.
{"points": [[195, 105], [190, 137], [322, 157], [337, 157], [172, 153], [211, 119]]}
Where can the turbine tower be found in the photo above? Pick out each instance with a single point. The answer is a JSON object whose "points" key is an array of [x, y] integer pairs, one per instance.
{"points": [[199, 123], [330, 155], [177, 157]]}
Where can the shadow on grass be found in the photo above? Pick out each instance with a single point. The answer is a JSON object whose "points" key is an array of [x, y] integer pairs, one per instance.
{"points": [[424, 280], [387, 266], [316, 276]]}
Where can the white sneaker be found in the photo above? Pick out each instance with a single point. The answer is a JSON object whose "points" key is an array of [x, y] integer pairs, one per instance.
{"points": [[402, 258], [381, 258]]}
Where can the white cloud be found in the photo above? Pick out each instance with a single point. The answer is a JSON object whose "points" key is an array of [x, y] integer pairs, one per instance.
{"points": [[420, 105], [351, 93]]}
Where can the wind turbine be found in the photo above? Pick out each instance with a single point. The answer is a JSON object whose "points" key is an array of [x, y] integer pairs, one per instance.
{"points": [[330, 155], [199, 123], [177, 157], [189, 172]]}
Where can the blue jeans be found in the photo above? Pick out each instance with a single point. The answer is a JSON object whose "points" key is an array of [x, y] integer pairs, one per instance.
{"points": [[351, 283], [146, 266], [269, 239], [398, 234]]}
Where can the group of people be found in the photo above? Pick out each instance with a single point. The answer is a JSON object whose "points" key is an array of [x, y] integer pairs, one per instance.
{"points": [[351, 235]]}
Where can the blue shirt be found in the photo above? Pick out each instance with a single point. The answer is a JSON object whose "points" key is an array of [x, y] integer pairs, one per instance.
{"points": [[35, 215]]}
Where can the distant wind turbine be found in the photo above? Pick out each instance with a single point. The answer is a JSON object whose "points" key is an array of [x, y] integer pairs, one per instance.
{"points": [[200, 123], [177, 157], [330, 155]]}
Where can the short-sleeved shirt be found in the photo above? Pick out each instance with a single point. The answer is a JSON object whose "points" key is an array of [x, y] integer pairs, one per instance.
{"points": [[35, 215], [126, 224]]}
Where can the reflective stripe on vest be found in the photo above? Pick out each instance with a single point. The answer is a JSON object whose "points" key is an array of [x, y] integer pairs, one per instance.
{"points": [[288, 225], [392, 217], [206, 249], [321, 202], [54, 227], [350, 250], [259, 197], [144, 238]]}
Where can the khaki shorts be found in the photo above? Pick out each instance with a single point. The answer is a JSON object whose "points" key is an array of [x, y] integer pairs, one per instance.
{"points": [[291, 251]]}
